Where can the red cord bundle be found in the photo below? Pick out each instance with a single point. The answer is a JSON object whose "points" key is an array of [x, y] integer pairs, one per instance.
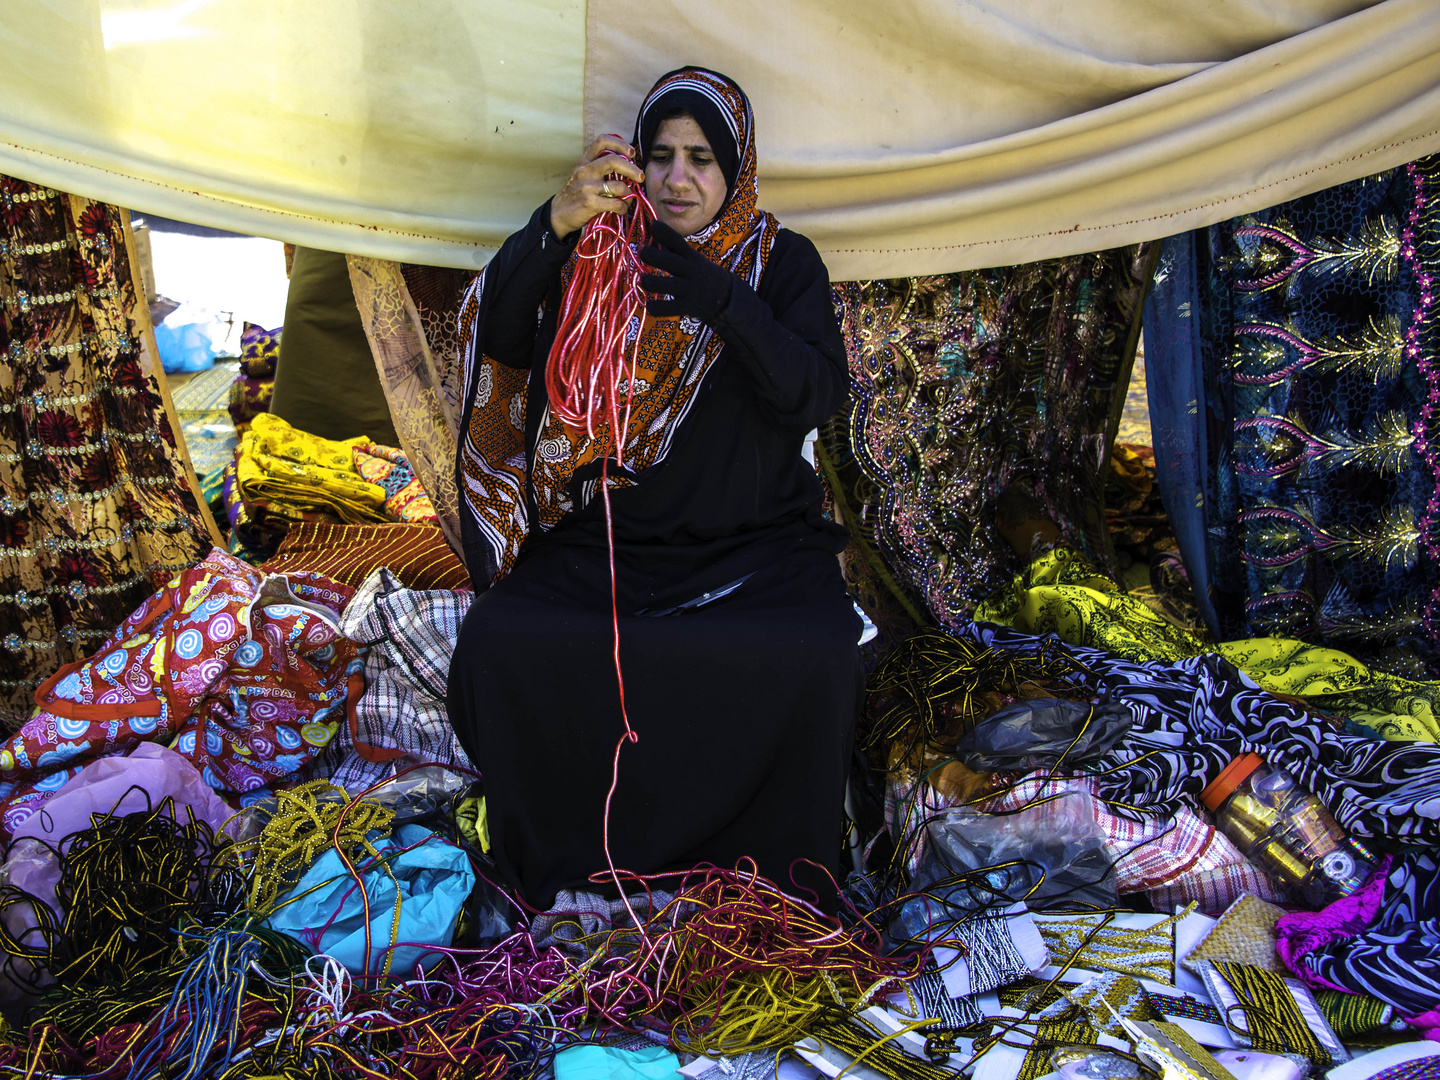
{"points": [[587, 376]]}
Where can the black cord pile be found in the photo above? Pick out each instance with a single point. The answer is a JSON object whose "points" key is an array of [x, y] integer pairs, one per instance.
{"points": [[933, 682], [125, 884]]}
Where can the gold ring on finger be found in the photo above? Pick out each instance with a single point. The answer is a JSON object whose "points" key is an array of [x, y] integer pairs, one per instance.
{"points": [[605, 189]]}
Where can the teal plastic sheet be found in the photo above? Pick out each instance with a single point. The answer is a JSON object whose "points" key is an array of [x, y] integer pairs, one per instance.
{"points": [[612, 1063], [326, 910]]}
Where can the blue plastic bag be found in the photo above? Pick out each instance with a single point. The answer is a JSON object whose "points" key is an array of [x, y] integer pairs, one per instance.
{"points": [[325, 910], [591, 1062], [186, 346]]}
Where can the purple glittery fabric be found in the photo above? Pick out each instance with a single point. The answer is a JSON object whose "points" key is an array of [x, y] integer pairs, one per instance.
{"points": [[1302, 932], [1412, 240]]}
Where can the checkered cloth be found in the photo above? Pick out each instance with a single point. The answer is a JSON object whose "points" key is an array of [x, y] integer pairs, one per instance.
{"points": [[400, 720]]}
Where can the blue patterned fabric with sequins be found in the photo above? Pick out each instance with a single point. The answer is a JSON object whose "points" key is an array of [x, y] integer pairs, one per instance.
{"points": [[1317, 335]]}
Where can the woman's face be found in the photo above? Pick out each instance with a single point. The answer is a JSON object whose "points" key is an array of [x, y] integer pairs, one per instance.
{"points": [[683, 180]]}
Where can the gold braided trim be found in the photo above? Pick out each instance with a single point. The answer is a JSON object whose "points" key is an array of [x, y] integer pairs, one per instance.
{"points": [[1274, 1019]]}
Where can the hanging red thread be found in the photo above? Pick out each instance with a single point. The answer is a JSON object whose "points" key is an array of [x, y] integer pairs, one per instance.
{"points": [[589, 377]]}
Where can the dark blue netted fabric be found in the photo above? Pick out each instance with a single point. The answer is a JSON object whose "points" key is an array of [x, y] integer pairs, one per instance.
{"points": [[1316, 332], [1174, 381]]}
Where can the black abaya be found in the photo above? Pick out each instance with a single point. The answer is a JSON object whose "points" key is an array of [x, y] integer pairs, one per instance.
{"points": [[745, 703]]}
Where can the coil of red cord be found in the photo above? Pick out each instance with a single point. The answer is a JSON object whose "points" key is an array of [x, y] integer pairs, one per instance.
{"points": [[588, 372]]}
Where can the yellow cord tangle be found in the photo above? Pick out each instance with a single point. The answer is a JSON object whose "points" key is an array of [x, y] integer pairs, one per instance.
{"points": [[305, 824]]}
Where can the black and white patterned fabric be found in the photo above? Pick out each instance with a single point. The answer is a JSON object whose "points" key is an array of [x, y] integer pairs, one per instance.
{"points": [[1193, 716], [1397, 959], [948, 1013]]}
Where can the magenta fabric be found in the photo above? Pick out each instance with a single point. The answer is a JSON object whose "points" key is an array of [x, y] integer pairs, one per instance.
{"points": [[1428, 1024], [1302, 932]]}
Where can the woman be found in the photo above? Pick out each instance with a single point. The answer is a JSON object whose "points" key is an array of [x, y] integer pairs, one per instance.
{"points": [[737, 641]]}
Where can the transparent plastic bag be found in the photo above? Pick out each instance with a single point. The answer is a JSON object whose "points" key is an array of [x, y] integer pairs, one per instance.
{"points": [[1042, 732], [1051, 855]]}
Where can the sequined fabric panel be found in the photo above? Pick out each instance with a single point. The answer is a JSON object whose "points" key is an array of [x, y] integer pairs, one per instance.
{"points": [[95, 510], [963, 384], [1319, 341]]}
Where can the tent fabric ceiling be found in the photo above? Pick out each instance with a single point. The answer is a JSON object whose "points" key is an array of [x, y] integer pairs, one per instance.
{"points": [[914, 137]]}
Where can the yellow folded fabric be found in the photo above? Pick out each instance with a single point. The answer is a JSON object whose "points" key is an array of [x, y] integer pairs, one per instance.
{"points": [[286, 473]]}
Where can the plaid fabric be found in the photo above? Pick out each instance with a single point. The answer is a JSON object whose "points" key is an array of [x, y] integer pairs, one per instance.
{"points": [[400, 720], [416, 554], [1148, 854], [1215, 890]]}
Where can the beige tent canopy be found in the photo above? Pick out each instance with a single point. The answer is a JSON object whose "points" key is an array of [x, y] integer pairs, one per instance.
{"points": [[909, 137]]}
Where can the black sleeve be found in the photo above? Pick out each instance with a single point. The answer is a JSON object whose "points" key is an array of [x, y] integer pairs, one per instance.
{"points": [[786, 335], [524, 270]]}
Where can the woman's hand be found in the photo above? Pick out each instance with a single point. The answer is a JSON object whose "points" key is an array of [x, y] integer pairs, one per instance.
{"points": [[593, 187], [695, 285]]}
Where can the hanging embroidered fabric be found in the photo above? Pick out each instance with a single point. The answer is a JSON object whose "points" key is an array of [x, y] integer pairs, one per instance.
{"points": [[1308, 333], [96, 508], [410, 315], [245, 674], [962, 384]]}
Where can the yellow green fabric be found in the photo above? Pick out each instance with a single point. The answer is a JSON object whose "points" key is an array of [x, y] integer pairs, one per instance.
{"points": [[473, 820], [1061, 593], [287, 473]]}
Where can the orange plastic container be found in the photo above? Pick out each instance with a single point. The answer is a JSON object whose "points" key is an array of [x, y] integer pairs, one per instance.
{"points": [[1286, 831]]}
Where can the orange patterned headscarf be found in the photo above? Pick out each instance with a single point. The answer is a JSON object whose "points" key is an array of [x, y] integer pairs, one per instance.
{"points": [[509, 487]]}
